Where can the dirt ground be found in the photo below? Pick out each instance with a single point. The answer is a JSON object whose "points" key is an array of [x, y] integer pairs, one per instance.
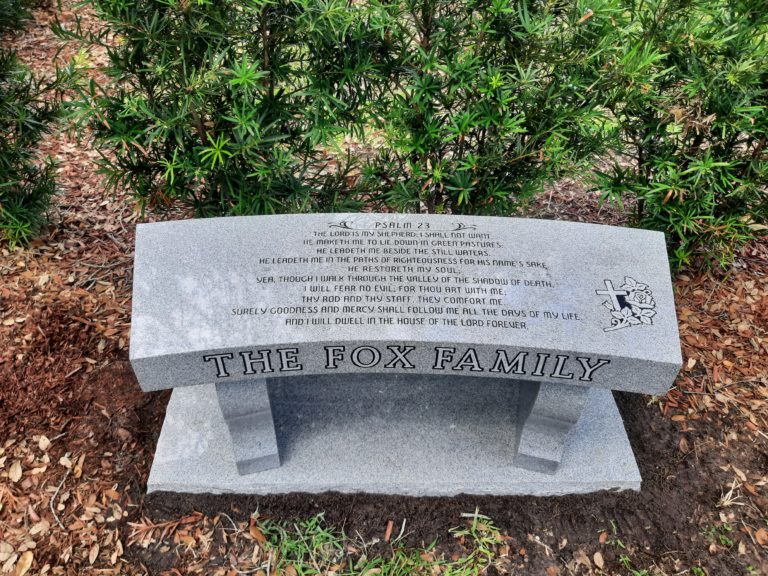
{"points": [[77, 435]]}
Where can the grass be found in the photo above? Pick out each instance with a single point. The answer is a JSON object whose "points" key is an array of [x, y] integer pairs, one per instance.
{"points": [[311, 547]]}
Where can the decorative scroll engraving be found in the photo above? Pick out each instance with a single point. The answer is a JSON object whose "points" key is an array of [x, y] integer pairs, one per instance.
{"points": [[460, 226]]}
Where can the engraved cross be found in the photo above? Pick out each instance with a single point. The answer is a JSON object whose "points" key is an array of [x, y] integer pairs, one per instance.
{"points": [[612, 293]]}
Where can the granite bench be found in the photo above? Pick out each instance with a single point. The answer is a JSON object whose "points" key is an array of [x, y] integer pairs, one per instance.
{"points": [[552, 308]]}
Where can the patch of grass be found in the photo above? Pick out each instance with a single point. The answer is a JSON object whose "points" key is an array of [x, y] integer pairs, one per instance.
{"points": [[312, 547], [626, 561], [612, 538]]}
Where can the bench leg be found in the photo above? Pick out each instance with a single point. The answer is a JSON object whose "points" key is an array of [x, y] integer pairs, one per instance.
{"points": [[547, 412], [248, 414]]}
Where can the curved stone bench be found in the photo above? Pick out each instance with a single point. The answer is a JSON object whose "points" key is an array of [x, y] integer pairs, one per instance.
{"points": [[555, 308]]}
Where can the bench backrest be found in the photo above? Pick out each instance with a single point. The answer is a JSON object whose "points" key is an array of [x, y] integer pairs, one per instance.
{"points": [[244, 297]]}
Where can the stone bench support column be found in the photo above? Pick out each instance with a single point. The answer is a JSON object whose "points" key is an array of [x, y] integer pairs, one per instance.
{"points": [[546, 414], [248, 414]]}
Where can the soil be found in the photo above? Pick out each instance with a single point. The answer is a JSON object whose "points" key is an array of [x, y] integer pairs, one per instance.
{"points": [[77, 435]]}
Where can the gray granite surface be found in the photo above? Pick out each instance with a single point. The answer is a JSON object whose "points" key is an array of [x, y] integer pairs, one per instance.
{"points": [[414, 435], [278, 296], [247, 413], [546, 415]]}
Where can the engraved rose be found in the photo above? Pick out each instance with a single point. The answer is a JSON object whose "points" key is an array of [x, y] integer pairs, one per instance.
{"points": [[638, 294]]}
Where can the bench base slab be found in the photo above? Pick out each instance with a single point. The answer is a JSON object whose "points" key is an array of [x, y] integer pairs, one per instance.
{"points": [[423, 437]]}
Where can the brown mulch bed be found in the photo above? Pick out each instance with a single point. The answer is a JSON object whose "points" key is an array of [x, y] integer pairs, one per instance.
{"points": [[78, 435]]}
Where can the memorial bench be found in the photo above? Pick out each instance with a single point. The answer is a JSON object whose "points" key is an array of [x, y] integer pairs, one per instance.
{"points": [[552, 308]]}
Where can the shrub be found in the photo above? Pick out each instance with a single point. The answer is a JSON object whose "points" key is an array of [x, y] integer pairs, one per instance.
{"points": [[485, 100], [26, 183], [221, 104], [232, 106], [13, 14], [689, 93]]}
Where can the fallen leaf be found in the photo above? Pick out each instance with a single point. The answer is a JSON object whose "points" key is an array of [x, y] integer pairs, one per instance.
{"points": [[43, 443], [15, 472], [388, 531], [739, 473], [93, 554], [257, 534], [581, 557], [598, 558], [762, 537], [24, 563], [6, 550]]}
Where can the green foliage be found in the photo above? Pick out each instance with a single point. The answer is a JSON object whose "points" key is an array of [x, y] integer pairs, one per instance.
{"points": [[221, 104], [26, 183], [485, 100], [719, 533], [689, 92], [237, 106], [13, 13]]}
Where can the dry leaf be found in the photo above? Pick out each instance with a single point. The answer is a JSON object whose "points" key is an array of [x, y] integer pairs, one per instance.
{"points": [[257, 534], [93, 554], [6, 550], [762, 537], [598, 558], [43, 443], [15, 472], [388, 531], [24, 563], [581, 557]]}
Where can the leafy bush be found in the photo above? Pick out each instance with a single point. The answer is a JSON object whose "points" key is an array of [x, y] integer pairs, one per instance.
{"points": [[690, 95], [485, 100], [221, 104], [234, 106], [26, 183], [13, 13]]}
